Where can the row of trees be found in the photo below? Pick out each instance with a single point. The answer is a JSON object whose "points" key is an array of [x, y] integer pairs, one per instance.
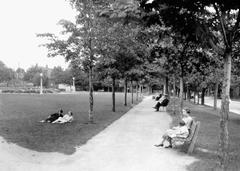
{"points": [[98, 45], [210, 30], [52, 77], [187, 43]]}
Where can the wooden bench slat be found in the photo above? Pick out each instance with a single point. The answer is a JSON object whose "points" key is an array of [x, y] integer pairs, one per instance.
{"points": [[191, 147]]}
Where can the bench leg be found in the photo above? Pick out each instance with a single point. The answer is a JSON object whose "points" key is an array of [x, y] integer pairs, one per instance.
{"points": [[164, 108], [191, 147]]}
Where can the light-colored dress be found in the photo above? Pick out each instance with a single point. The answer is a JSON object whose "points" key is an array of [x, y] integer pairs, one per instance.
{"points": [[188, 120], [179, 131], [64, 119]]}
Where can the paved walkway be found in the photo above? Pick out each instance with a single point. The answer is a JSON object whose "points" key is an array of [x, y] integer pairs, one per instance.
{"points": [[234, 106], [126, 145]]}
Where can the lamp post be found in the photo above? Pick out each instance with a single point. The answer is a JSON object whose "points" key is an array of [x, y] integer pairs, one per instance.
{"points": [[41, 82], [73, 89]]}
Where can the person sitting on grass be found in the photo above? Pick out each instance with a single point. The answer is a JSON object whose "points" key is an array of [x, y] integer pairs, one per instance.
{"points": [[68, 117], [162, 102], [53, 116], [181, 131]]}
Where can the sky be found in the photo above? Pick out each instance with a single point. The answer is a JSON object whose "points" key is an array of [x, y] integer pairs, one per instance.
{"points": [[20, 21]]}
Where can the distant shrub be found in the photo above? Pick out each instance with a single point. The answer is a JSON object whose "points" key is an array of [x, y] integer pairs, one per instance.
{"points": [[27, 90]]}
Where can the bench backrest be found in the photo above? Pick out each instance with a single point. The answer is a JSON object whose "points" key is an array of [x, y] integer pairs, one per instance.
{"points": [[193, 129]]}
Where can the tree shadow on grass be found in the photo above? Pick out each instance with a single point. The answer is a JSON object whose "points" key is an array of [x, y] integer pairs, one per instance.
{"points": [[48, 137], [20, 115]]}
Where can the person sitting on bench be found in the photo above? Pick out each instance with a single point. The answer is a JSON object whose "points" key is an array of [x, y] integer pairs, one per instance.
{"points": [[178, 131], [159, 97], [181, 131], [186, 117], [162, 102], [53, 116], [68, 117]]}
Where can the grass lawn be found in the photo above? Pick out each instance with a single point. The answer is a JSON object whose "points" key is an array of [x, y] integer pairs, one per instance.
{"points": [[207, 144], [20, 115]]}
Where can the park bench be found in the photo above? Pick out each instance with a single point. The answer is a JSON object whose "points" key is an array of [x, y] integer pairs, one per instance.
{"points": [[164, 104], [192, 137]]}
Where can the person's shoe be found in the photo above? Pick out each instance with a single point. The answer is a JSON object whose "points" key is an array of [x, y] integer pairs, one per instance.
{"points": [[154, 107], [158, 145]]}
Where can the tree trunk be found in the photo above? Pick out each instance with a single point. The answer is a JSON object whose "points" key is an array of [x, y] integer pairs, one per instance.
{"points": [[137, 92], [149, 89], [113, 94], [181, 94], [198, 97], [188, 94], [90, 114], [224, 113], [215, 96], [132, 90], [203, 95], [174, 95], [141, 91], [194, 99], [166, 85], [208, 92], [125, 92], [164, 88]]}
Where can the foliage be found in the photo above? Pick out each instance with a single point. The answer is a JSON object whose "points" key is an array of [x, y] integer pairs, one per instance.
{"points": [[6, 74], [60, 76], [214, 24], [81, 77], [33, 75]]}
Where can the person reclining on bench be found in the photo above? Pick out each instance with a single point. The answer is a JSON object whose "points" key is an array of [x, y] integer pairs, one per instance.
{"points": [[181, 131], [53, 116], [162, 102], [68, 117]]}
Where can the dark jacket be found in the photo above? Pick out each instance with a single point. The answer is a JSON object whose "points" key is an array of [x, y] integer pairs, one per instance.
{"points": [[53, 117], [164, 102]]}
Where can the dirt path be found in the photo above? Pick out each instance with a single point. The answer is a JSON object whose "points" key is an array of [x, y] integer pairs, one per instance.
{"points": [[126, 145]]}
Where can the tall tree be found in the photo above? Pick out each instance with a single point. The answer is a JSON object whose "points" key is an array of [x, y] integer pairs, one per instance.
{"points": [[217, 25], [81, 44]]}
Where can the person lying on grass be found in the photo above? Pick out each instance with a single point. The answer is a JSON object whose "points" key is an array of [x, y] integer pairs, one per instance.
{"points": [[68, 117], [53, 116], [181, 131]]}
